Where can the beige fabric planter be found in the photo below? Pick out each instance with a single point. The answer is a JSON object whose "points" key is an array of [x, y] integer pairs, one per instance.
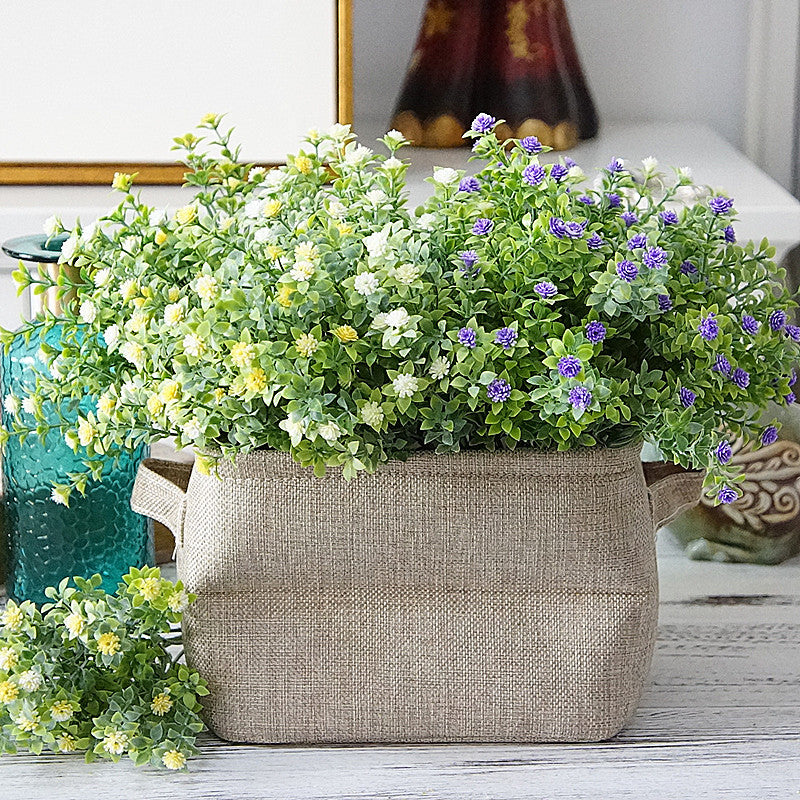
{"points": [[508, 597]]}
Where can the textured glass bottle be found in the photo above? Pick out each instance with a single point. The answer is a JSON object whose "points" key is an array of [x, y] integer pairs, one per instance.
{"points": [[45, 542]]}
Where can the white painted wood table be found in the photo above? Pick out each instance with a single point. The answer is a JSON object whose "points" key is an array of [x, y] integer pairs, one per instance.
{"points": [[719, 719]]}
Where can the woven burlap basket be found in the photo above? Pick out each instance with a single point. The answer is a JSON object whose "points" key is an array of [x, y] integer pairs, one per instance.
{"points": [[495, 597]]}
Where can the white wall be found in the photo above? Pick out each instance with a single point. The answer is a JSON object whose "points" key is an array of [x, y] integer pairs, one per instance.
{"points": [[645, 60]]}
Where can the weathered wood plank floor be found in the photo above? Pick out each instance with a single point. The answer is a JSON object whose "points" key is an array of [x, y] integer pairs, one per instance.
{"points": [[720, 719]]}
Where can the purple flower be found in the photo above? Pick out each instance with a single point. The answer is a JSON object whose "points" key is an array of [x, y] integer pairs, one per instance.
{"points": [[533, 174], [569, 366], [595, 331], [483, 123], [467, 337], [723, 452], [635, 242], [729, 234], [482, 226], [720, 205], [629, 218], [793, 332], [669, 217], [793, 378], [469, 257], [777, 319], [545, 290], [727, 495], [664, 302], [506, 338], [708, 327], [750, 324], [627, 270], [498, 390], [469, 184], [530, 144], [687, 397], [574, 230], [586, 200], [655, 258], [687, 268], [557, 227], [580, 397], [790, 398], [769, 436], [741, 378], [558, 172], [616, 165], [570, 162], [721, 364], [614, 200], [595, 242]]}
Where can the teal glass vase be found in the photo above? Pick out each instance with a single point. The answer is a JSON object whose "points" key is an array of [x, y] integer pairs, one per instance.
{"points": [[44, 541]]}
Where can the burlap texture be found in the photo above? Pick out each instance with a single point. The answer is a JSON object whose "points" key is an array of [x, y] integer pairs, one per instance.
{"points": [[472, 597]]}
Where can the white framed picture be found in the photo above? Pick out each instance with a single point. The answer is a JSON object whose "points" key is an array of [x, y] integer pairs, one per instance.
{"points": [[93, 86]]}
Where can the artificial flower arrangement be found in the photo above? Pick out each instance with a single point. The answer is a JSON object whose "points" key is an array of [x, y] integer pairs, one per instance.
{"points": [[306, 309], [91, 672]]}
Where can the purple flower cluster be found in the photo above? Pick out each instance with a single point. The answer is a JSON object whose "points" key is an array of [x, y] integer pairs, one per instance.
{"points": [[629, 218], [688, 268], [790, 398], [664, 302], [469, 257], [777, 319], [545, 290], [533, 174], [498, 391], [655, 258], [569, 366], [628, 271], [558, 172], [483, 123], [686, 396], [467, 337], [669, 217], [506, 338], [721, 364], [769, 435], [723, 452], [586, 200], [557, 227], [614, 200], [750, 324], [708, 327], [580, 397], [729, 234], [720, 205], [469, 183], [570, 162], [616, 165], [741, 378], [530, 144], [595, 331], [482, 226], [793, 332], [637, 241], [793, 378], [595, 241], [575, 230], [727, 495]]}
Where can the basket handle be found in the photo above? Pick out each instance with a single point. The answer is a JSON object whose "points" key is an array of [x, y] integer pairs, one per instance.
{"points": [[672, 490], [159, 492]]}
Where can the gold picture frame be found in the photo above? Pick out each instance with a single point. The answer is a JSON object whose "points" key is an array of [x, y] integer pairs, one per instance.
{"points": [[29, 173]]}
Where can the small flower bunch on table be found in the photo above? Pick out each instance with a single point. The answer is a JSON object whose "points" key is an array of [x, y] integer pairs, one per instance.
{"points": [[306, 309]]}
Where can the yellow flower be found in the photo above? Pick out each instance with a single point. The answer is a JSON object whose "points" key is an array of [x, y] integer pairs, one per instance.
{"points": [[206, 287], [174, 759], [209, 119], [306, 345], [242, 354], [256, 381], [161, 704], [303, 164], [173, 295], [108, 643], [284, 296], [27, 724], [66, 744], [161, 237], [226, 223], [173, 314], [12, 616], [106, 404], [8, 691], [150, 589], [272, 208], [115, 743], [345, 333], [8, 659], [273, 252], [86, 432], [170, 390], [178, 601], [306, 251], [155, 405], [185, 215], [219, 394], [75, 624], [122, 181], [61, 711], [129, 289], [344, 228]]}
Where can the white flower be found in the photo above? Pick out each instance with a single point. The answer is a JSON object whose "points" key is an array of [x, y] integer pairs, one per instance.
{"points": [[445, 175], [29, 405], [86, 432], [377, 244], [60, 495], [395, 137], [376, 197], [576, 173], [157, 216], [101, 277], [330, 431], [275, 178], [336, 209], [294, 429], [173, 314], [392, 164], [88, 312], [405, 385], [129, 392], [685, 173], [178, 601], [138, 321], [52, 226], [134, 353], [87, 234], [255, 172], [425, 222], [366, 283], [439, 368], [193, 345], [129, 289], [106, 404], [264, 235], [339, 132], [686, 194], [396, 318], [111, 335], [30, 680], [372, 414], [11, 404], [253, 208], [302, 271], [57, 367], [75, 624], [406, 273], [115, 743], [206, 287], [650, 164], [8, 658], [191, 429], [356, 154], [68, 248]]}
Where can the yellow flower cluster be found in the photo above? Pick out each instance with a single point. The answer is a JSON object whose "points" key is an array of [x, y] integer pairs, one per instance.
{"points": [[256, 381], [108, 643], [284, 296], [9, 691], [174, 759], [303, 164], [306, 345], [345, 333], [161, 704]]}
